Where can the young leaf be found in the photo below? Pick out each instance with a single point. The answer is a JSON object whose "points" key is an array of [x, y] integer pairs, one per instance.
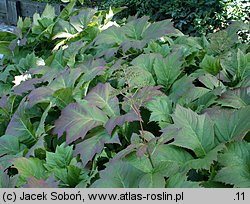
{"points": [[160, 108], [210, 64], [60, 159], [168, 69]]}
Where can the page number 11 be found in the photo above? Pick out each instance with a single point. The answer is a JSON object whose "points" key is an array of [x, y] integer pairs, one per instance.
{"points": [[240, 196]]}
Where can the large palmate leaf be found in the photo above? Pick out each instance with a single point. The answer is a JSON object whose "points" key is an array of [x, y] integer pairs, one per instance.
{"points": [[204, 162], [77, 119], [152, 180], [197, 132], [110, 36], [230, 124], [145, 61], [236, 166], [94, 145], [103, 97], [65, 79], [21, 127], [169, 159], [81, 21], [237, 98], [134, 29], [168, 69], [159, 29], [116, 176]]}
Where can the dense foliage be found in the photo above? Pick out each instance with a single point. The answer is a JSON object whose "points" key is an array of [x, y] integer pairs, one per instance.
{"points": [[139, 104], [192, 17]]}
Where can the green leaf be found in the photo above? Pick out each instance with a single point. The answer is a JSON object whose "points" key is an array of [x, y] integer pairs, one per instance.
{"points": [[57, 61], [169, 159], [180, 181], [211, 64], [7, 36], [4, 48], [159, 29], [230, 125], [10, 145], [237, 64], [181, 88], [30, 61], [81, 21], [145, 61], [7, 181], [161, 108], [29, 167], [139, 77], [49, 12], [152, 180], [118, 175], [168, 69], [110, 36], [236, 166], [204, 162], [71, 52], [70, 176], [134, 29], [41, 127], [237, 98], [196, 131], [60, 159]]}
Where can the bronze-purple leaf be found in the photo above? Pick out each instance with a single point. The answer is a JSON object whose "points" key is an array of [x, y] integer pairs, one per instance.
{"points": [[94, 145], [120, 120], [77, 119], [102, 97], [26, 86]]}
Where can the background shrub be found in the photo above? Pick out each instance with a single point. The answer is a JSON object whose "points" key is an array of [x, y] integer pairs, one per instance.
{"points": [[194, 17]]}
